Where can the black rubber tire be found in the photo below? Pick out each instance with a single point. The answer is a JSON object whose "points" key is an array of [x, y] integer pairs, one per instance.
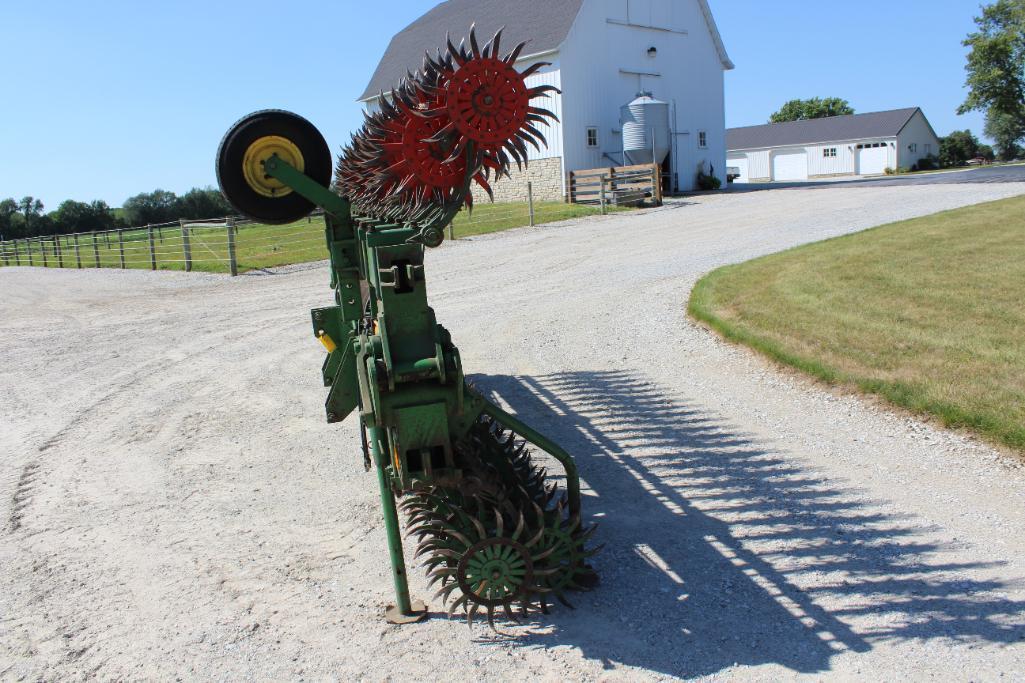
{"points": [[296, 129]]}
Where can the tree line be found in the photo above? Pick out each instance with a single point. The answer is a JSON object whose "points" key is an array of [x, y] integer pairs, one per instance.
{"points": [[26, 217]]}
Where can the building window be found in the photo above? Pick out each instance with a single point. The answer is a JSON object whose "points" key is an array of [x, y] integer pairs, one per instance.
{"points": [[913, 148], [829, 151], [702, 139], [592, 136], [928, 149]]}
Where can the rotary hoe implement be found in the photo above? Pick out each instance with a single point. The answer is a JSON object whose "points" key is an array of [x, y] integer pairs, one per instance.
{"points": [[493, 535]]}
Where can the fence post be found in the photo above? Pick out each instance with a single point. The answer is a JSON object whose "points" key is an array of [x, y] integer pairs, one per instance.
{"points": [[601, 197], [96, 249], [3, 250], [451, 231], [28, 250], [121, 246], [152, 248], [569, 198], [530, 201], [60, 252], [17, 256], [78, 254], [186, 246], [42, 250], [232, 263], [656, 183]]}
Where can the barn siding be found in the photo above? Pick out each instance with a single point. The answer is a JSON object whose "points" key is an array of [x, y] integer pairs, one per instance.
{"points": [[597, 53], [550, 75]]}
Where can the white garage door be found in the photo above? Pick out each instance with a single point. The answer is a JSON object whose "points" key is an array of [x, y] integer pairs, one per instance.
{"points": [[790, 165], [742, 168], [872, 158]]}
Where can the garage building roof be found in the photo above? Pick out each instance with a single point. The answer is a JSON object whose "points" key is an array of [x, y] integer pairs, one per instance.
{"points": [[881, 124]]}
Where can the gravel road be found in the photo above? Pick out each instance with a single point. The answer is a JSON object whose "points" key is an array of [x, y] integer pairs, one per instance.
{"points": [[173, 504]]}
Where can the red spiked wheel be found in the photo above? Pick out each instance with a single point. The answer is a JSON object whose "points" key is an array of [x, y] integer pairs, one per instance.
{"points": [[428, 161], [488, 101]]}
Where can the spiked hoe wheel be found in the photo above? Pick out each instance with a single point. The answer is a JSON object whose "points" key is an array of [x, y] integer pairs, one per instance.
{"points": [[501, 538], [494, 536], [465, 116]]}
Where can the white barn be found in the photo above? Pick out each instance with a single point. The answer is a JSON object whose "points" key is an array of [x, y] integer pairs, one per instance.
{"points": [[603, 53], [860, 144]]}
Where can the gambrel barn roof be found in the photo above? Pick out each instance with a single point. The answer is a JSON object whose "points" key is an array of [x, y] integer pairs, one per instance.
{"points": [[544, 23], [880, 124]]}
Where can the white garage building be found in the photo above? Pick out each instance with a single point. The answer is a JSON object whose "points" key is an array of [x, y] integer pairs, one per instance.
{"points": [[862, 144]]}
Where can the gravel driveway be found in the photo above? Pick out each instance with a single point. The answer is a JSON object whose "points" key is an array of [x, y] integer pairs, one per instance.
{"points": [[172, 503]]}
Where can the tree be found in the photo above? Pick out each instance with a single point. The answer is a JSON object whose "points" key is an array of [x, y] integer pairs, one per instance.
{"points": [[30, 208], [996, 69], [8, 215], [72, 216], [987, 153], [815, 108], [151, 207], [958, 147], [1005, 132], [204, 202]]}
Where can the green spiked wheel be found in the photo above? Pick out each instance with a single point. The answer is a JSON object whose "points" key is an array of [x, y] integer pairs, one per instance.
{"points": [[494, 572], [250, 143]]}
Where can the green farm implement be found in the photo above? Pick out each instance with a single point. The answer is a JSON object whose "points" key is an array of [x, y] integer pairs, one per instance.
{"points": [[492, 533]]}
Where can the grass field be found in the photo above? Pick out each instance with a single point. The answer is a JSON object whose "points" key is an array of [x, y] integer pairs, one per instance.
{"points": [[261, 246], [927, 313]]}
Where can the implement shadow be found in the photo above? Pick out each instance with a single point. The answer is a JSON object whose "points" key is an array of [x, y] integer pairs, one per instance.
{"points": [[718, 552]]}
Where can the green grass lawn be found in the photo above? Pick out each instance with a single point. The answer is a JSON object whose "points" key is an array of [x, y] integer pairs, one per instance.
{"points": [[266, 246], [927, 313]]}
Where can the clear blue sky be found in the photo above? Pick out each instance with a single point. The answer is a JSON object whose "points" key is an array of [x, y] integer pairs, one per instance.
{"points": [[110, 98]]}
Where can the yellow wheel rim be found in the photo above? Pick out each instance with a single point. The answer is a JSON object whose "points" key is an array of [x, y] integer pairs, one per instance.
{"points": [[263, 149]]}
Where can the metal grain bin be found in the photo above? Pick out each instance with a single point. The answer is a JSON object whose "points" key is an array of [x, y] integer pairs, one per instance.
{"points": [[645, 124]]}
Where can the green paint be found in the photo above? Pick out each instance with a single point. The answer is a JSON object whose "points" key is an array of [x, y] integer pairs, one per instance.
{"points": [[393, 361]]}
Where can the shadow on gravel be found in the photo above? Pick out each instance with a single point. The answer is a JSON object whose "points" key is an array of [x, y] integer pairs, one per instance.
{"points": [[687, 508]]}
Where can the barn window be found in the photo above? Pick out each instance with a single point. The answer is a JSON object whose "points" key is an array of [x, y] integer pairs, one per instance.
{"points": [[829, 151], [702, 139], [592, 136]]}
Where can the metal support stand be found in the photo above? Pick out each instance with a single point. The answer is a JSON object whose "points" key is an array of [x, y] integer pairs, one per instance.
{"points": [[545, 444], [403, 611]]}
